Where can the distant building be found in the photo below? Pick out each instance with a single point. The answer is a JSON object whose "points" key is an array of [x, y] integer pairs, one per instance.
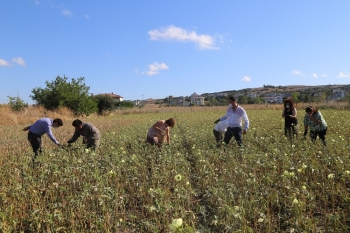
{"points": [[116, 97], [197, 99]]}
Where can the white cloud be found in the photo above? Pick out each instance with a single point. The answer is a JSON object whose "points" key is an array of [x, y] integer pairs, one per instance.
{"points": [[297, 72], [19, 61], [67, 13], [314, 75], [324, 75], [178, 34], [246, 79], [136, 71], [87, 16], [154, 68], [344, 75], [4, 62], [36, 2]]}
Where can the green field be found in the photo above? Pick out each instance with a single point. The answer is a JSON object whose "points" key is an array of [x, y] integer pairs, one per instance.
{"points": [[271, 185]]}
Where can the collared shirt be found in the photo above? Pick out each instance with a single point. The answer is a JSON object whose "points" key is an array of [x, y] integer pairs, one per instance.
{"points": [[89, 131], [312, 125], [43, 126], [235, 117], [221, 126]]}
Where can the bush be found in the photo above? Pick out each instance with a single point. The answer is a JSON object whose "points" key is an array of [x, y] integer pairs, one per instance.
{"points": [[16, 104], [105, 103], [60, 93]]}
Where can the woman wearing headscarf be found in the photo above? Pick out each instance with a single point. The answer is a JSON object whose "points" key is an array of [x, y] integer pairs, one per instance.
{"points": [[314, 120]]}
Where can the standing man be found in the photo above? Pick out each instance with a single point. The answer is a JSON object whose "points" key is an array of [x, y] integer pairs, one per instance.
{"points": [[235, 114], [91, 135], [39, 128]]}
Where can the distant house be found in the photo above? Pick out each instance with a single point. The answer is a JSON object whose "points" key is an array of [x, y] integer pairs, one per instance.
{"points": [[197, 99], [116, 97], [252, 95], [337, 94]]}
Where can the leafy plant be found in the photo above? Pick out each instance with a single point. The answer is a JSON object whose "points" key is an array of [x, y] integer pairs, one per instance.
{"points": [[62, 93], [16, 104]]}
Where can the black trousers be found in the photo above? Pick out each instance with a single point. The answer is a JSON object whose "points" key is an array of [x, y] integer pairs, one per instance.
{"points": [[217, 135], [35, 142], [233, 132], [321, 134]]}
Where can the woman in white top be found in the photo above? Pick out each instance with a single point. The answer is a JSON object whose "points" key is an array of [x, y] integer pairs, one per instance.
{"points": [[160, 130]]}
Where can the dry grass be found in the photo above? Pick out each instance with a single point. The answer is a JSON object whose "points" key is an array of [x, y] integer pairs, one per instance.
{"points": [[32, 113]]}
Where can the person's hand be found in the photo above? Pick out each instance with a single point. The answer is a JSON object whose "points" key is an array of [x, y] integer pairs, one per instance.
{"points": [[217, 121], [244, 131]]}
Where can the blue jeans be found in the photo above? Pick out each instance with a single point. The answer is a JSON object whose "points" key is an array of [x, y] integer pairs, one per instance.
{"points": [[233, 132]]}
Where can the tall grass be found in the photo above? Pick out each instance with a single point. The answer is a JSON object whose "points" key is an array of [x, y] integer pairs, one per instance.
{"points": [[272, 184]]}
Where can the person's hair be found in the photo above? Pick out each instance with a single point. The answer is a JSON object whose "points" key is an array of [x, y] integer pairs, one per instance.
{"points": [[311, 109], [170, 122], [59, 121], [232, 98], [77, 122], [290, 102]]}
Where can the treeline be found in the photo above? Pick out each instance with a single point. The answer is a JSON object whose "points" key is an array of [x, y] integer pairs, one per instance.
{"points": [[72, 94]]}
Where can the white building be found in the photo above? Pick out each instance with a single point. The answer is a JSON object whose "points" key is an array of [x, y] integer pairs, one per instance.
{"points": [[197, 99]]}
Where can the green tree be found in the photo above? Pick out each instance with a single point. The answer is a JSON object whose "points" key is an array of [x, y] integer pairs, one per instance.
{"points": [[126, 104], [16, 104], [243, 99], [295, 97], [62, 93], [105, 103]]}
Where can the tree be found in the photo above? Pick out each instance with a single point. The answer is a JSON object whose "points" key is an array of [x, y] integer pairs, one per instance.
{"points": [[126, 104], [61, 93], [16, 104], [295, 97], [243, 99], [105, 103]]}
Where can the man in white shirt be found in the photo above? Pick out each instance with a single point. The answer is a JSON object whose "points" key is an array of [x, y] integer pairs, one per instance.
{"points": [[235, 114], [219, 129]]}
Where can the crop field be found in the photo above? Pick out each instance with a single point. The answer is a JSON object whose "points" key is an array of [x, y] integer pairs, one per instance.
{"points": [[272, 184]]}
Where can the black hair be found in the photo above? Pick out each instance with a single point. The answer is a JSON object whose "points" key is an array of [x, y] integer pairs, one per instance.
{"points": [[77, 122], [232, 98], [59, 121]]}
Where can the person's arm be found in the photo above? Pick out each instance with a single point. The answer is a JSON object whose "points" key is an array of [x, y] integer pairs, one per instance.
{"points": [[75, 136], [167, 131], [47, 129], [294, 113], [305, 124], [246, 122], [26, 128]]}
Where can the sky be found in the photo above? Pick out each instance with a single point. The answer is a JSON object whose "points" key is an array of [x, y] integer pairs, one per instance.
{"points": [[154, 49]]}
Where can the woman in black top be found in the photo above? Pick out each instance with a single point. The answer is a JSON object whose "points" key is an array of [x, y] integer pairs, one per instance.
{"points": [[290, 118]]}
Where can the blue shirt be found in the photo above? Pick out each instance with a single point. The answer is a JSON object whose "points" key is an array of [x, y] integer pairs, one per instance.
{"points": [[43, 126]]}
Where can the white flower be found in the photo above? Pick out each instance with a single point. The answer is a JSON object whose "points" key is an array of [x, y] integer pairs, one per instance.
{"points": [[178, 177], [175, 224], [295, 201], [330, 176]]}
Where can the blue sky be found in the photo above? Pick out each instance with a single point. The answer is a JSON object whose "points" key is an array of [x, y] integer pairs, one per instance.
{"points": [[153, 49]]}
